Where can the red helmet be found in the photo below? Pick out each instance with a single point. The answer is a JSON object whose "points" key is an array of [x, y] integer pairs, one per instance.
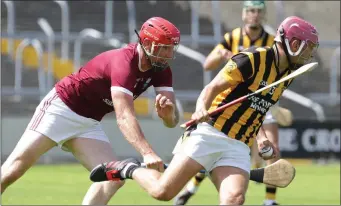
{"points": [[160, 31], [295, 27], [164, 38]]}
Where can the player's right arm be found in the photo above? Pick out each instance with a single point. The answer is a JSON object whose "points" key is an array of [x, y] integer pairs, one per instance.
{"points": [[263, 141], [220, 54], [127, 122], [237, 70], [131, 130], [122, 87]]}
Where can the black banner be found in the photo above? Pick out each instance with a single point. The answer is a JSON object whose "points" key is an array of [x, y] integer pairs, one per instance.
{"points": [[310, 139]]}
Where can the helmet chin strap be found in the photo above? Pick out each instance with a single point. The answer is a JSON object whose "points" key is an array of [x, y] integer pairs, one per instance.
{"points": [[156, 67]]}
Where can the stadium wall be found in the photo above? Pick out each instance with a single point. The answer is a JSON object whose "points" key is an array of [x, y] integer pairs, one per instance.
{"points": [[301, 140]]}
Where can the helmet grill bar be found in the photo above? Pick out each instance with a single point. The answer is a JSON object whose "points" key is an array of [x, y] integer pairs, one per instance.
{"points": [[281, 31]]}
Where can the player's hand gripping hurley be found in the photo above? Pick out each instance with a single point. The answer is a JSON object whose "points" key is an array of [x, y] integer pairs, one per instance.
{"points": [[301, 70]]}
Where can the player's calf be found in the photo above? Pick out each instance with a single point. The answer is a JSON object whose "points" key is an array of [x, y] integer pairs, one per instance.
{"points": [[12, 171]]}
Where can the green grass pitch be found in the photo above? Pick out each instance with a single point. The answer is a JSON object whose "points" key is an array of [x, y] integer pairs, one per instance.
{"points": [[66, 184]]}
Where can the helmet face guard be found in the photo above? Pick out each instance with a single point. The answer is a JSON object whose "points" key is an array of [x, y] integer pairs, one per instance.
{"points": [[296, 28], [159, 40], [307, 53], [160, 55], [302, 52]]}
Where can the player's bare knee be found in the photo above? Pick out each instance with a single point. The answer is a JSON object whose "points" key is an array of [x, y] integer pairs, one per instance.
{"points": [[112, 186], [233, 198]]}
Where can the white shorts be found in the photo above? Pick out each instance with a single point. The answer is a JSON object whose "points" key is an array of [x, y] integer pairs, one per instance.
{"points": [[269, 118], [212, 148], [58, 122]]}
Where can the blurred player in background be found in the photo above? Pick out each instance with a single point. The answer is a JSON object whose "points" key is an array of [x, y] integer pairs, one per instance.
{"points": [[69, 116], [251, 34], [220, 143]]}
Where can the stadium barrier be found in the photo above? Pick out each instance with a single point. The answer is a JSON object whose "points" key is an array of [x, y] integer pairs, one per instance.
{"points": [[308, 140]]}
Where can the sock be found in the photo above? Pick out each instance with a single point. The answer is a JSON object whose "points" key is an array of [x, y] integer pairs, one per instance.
{"points": [[257, 165], [127, 172], [257, 175], [193, 185], [270, 193]]}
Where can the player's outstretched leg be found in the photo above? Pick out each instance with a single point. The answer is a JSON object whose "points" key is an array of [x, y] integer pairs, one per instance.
{"points": [[162, 187], [99, 193], [27, 151], [190, 189]]}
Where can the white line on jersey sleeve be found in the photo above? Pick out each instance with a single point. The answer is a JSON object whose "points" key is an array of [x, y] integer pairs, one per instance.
{"points": [[168, 89], [121, 89]]}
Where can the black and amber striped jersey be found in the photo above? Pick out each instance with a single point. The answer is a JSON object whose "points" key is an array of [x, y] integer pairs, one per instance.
{"points": [[237, 40], [247, 72]]}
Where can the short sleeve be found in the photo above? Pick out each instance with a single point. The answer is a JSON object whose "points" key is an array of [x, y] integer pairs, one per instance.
{"points": [[122, 79], [224, 44], [238, 69], [163, 81]]}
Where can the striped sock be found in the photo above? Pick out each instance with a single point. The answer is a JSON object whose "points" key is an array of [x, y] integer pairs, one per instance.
{"points": [[193, 185], [270, 193]]}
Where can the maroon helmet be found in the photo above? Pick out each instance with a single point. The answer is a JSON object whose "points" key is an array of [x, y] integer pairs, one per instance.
{"points": [[295, 27]]}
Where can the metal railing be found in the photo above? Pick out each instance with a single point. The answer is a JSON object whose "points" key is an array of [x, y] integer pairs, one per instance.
{"points": [[89, 32], [334, 73], [64, 53], [18, 89], [10, 25], [108, 22], [194, 38], [131, 20], [306, 102], [46, 27]]}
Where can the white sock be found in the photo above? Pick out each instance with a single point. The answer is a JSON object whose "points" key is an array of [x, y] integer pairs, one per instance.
{"points": [[269, 202], [191, 187]]}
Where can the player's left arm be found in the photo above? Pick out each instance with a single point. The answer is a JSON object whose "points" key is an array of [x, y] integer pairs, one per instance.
{"points": [[165, 103], [165, 106], [237, 70]]}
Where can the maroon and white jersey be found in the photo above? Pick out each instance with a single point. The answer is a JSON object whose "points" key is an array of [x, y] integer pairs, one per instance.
{"points": [[88, 92]]}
